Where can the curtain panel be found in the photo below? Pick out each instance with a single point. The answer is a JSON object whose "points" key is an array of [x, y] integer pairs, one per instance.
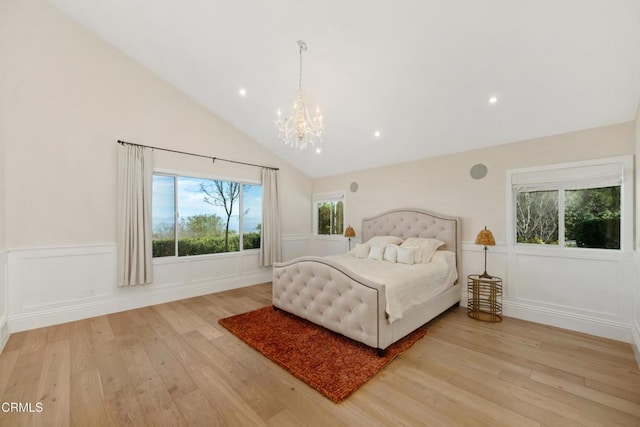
{"points": [[271, 238], [135, 183]]}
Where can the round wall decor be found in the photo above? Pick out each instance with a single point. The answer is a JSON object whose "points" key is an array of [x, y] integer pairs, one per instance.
{"points": [[478, 171]]}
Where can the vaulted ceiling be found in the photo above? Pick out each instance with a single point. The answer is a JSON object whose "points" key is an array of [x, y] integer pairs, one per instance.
{"points": [[420, 72]]}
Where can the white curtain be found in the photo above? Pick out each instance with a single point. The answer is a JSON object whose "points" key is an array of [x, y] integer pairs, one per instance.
{"points": [[135, 181], [271, 240]]}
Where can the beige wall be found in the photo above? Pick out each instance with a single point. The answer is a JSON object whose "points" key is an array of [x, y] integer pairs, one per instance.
{"points": [[637, 152], [443, 184], [635, 325], [3, 236], [69, 96]]}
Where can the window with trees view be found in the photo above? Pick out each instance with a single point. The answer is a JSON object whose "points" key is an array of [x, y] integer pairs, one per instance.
{"points": [[569, 206], [591, 217], [329, 214], [195, 216]]}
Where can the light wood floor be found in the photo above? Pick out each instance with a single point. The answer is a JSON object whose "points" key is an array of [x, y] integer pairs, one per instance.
{"points": [[172, 364]]}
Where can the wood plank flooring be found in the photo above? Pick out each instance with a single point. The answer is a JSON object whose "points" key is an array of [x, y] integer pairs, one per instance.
{"points": [[172, 364]]}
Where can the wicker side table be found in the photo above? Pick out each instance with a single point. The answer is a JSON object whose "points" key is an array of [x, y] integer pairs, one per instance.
{"points": [[484, 298]]}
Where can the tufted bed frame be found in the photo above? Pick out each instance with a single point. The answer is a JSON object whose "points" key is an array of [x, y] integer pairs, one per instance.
{"points": [[326, 293]]}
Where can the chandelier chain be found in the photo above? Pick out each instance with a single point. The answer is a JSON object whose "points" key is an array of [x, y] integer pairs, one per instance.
{"points": [[302, 47]]}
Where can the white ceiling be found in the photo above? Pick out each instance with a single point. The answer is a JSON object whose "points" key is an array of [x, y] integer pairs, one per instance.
{"points": [[419, 71]]}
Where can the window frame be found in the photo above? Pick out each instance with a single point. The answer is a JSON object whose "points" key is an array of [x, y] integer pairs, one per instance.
{"points": [[626, 205], [178, 173], [327, 197]]}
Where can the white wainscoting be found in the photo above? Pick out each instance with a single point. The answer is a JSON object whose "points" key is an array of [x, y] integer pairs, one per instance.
{"points": [[295, 245], [591, 292], [635, 323], [331, 245], [583, 290], [636, 341], [57, 285], [473, 263], [4, 301]]}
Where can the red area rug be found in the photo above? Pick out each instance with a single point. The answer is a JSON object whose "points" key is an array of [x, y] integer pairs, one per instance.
{"points": [[334, 365]]}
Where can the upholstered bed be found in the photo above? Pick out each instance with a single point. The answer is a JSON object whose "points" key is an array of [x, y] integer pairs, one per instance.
{"points": [[325, 292]]}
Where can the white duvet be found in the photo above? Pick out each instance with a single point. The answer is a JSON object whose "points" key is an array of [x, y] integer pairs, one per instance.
{"points": [[406, 285]]}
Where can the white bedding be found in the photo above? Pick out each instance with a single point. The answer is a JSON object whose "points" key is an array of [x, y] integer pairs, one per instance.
{"points": [[406, 285]]}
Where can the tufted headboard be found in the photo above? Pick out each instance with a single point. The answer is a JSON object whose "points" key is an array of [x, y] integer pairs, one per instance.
{"points": [[406, 223]]}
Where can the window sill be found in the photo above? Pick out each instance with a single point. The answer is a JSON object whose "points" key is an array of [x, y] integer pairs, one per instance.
{"points": [[179, 259], [566, 252]]}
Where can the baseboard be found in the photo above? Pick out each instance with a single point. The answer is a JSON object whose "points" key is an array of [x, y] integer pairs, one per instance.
{"points": [[571, 321], [90, 309]]}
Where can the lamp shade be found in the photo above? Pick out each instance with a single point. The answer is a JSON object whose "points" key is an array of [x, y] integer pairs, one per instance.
{"points": [[349, 232], [485, 238]]}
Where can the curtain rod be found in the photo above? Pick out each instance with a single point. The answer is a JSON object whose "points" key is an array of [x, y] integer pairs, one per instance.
{"points": [[199, 155]]}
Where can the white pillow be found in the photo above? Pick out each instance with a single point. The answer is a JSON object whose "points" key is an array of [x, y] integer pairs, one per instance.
{"points": [[361, 250], [427, 247], [376, 253], [384, 241], [406, 255], [390, 253]]}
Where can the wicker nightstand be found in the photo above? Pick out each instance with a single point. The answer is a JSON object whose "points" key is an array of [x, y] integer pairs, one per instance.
{"points": [[484, 298]]}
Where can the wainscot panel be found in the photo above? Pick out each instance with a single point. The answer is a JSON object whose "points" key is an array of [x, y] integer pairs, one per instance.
{"points": [[330, 245], [57, 285], [582, 290], [636, 341], [635, 324], [250, 261], [296, 245], [473, 263]]}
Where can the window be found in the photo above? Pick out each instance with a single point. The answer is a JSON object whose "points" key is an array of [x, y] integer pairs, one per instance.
{"points": [[163, 209], [251, 216], [592, 218], [537, 217], [573, 205], [196, 216], [329, 213]]}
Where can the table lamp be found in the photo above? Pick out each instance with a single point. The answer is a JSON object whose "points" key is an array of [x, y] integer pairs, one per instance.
{"points": [[349, 232], [485, 238]]}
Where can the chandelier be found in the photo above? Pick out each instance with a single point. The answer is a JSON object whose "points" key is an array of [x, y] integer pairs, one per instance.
{"points": [[299, 130]]}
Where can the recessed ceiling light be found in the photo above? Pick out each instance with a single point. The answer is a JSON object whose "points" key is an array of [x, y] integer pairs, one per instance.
{"points": [[377, 134], [318, 150], [493, 100], [242, 92]]}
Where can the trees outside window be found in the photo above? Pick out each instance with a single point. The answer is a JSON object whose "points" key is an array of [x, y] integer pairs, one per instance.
{"points": [[163, 215], [195, 216], [537, 217], [222, 194], [329, 214], [572, 204], [251, 216], [591, 217]]}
